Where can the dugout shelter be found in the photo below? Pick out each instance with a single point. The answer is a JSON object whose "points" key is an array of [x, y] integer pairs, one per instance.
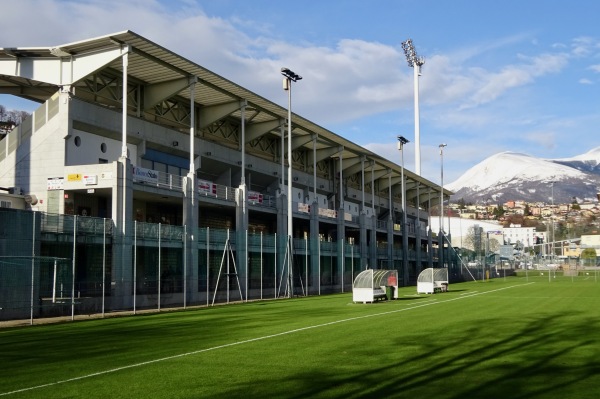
{"points": [[432, 280], [371, 285]]}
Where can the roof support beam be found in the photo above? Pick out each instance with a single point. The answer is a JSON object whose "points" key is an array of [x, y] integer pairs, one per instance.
{"points": [[352, 165], [155, 93], [62, 70], [323, 153], [212, 114], [376, 174], [390, 182], [24, 91], [299, 141], [256, 130]]}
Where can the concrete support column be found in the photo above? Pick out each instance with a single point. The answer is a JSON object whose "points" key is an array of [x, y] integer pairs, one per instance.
{"points": [[441, 249], [190, 220], [241, 211], [405, 272], [390, 227], [315, 250], [364, 248], [122, 215], [241, 246], [419, 237], [373, 244], [430, 247], [190, 210], [341, 240], [122, 272], [281, 238]]}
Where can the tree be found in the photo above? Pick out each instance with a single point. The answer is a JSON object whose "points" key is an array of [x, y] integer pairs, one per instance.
{"points": [[588, 256], [498, 211], [574, 205], [494, 245], [11, 118], [473, 240]]}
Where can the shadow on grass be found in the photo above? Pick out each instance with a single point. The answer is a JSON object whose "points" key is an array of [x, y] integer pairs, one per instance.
{"points": [[546, 357]]}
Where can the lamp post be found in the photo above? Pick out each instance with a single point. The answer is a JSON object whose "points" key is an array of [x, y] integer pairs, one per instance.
{"points": [[415, 62], [552, 220], [289, 77], [401, 142], [442, 186], [441, 237]]}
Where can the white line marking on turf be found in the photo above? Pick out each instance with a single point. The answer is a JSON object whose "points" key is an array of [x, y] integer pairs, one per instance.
{"points": [[162, 359]]}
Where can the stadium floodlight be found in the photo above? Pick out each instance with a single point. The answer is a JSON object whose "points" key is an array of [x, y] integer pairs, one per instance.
{"points": [[289, 74], [289, 77], [415, 62]]}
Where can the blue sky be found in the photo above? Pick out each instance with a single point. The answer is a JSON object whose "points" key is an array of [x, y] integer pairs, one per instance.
{"points": [[506, 75]]}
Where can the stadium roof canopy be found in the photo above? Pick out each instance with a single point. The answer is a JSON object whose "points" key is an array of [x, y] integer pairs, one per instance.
{"points": [[37, 73]]}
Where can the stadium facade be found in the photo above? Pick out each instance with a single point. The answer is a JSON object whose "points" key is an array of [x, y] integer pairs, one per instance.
{"points": [[130, 133]]}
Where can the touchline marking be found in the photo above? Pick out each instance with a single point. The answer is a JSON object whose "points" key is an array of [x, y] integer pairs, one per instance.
{"points": [[162, 359]]}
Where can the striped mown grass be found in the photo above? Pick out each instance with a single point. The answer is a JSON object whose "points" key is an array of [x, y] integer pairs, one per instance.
{"points": [[507, 338]]}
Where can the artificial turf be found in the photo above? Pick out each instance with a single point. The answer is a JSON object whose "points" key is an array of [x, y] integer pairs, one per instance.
{"points": [[506, 338]]}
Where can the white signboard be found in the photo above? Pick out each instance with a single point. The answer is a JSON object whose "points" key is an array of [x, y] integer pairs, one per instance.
{"points": [[145, 175], [255, 196], [304, 208], [55, 183], [328, 213], [90, 180], [207, 187]]}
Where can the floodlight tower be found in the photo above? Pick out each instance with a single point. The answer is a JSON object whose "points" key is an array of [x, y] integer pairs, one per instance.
{"points": [[415, 62], [289, 77]]}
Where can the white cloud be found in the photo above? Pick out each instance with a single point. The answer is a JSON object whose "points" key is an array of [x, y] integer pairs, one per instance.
{"points": [[355, 78], [494, 84], [583, 46], [584, 81], [466, 91]]}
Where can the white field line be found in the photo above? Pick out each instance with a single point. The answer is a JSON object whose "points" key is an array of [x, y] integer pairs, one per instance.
{"points": [[162, 359]]}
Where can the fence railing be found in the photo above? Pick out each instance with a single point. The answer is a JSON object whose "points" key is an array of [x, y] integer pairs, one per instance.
{"points": [[66, 265]]}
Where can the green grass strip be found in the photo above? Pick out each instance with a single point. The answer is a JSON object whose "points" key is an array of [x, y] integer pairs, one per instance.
{"points": [[495, 339]]}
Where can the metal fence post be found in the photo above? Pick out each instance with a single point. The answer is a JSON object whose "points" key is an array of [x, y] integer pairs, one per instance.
{"points": [[73, 276]]}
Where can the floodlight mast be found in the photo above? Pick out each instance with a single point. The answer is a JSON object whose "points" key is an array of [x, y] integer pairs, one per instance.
{"points": [[289, 77], [415, 62]]}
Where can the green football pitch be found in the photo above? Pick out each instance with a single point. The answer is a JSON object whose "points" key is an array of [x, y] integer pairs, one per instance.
{"points": [[520, 337]]}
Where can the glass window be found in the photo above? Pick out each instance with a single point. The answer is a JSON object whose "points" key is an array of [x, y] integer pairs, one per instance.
{"points": [[147, 164], [161, 167]]}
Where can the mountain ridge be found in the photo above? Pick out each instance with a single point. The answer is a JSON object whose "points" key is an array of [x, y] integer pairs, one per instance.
{"points": [[511, 175]]}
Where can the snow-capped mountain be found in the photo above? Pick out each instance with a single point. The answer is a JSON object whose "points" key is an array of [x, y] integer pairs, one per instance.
{"points": [[513, 176], [588, 162]]}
